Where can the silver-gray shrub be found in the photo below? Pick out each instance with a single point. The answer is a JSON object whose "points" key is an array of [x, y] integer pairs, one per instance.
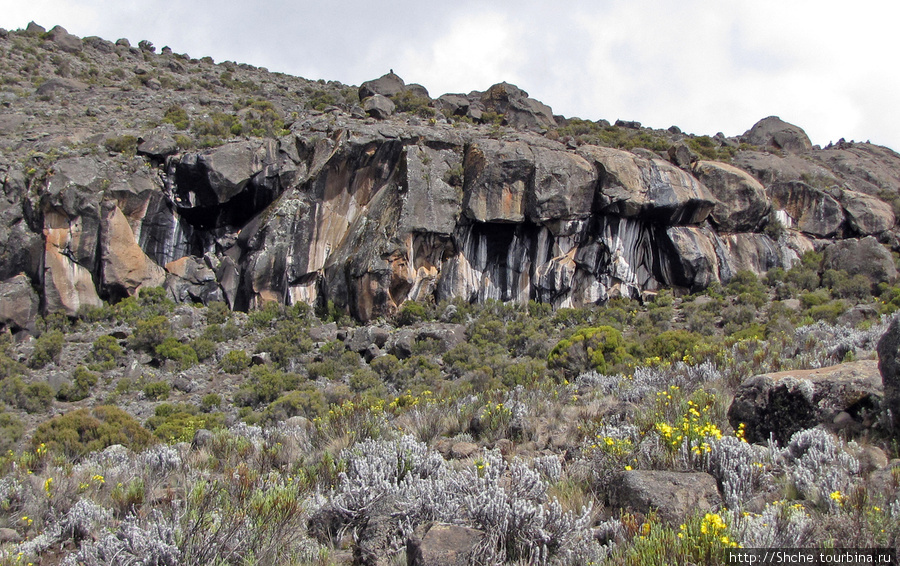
{"points": [[161, 459], [780, 525], [818, 465], [648, 380], [410, 483], [149, 541], [738, 467], [821, 344]]}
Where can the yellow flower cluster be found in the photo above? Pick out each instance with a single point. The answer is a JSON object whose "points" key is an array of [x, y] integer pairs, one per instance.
{"points": [[695, 430]]}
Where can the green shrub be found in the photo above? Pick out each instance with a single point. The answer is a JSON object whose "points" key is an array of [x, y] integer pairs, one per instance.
{"points": [[106, 351], [11, 431], [204, 348], [217, 313], [46, 349], [235, 361], [157, 390], [264, 385], [410, 313], [32, 398], [80, 388], [150, 333], [82, 431], [179, 421], [210, 401], [307, 401], [177, 116], [122, 144], [673, 344], [601, 349], [182, 354]]}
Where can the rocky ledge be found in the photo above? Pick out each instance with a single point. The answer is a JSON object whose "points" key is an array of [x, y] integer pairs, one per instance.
{"points": [[488, 198]]}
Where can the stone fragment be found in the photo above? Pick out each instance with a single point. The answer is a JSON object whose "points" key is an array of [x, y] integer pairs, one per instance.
{"points": [[440, 544], [675, 496], [741, 200], [18, 303], [774, 132], [379, 107]]}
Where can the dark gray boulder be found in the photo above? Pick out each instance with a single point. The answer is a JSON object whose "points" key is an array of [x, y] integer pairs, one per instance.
{"points": [[781, 404], [379, 106], [889, 367], [18, 303], [518, 108], [441, 544], [673, 495], [867, 214], [454, 104], [158, 144], [60, 84], [864, 256], [775, 132], [65, 40], [387, 85]]}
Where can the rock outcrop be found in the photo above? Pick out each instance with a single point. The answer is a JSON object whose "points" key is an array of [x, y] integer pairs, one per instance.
{"points": [[673, 495], [400, 197], [845, 398]]}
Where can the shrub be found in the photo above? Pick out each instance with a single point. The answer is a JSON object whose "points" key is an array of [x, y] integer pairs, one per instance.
{"points": [[122, 144], [82, 431], [157, 390], [177, 116], [46, 349], [308, 401], [217, 313], [410, 313], [80, 388], [204, 348], [210, 401], [150, 333], [178, 422], [11, 431], [600, 349], [235, 361], [32, 397], [182, 354], [673, 344], [106, 350]]}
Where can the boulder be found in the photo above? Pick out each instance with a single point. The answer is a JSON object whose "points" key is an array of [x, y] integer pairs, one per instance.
{"points": [[229, 169], [781, 404], [741, 200], [889, 367], [440, 544], [387, 85], [379, 107], [18, 303], [864, 256], [433, 200], [35, 30], [681, 155], [518, 109], [694, 264], [810, 210], [65, 40], [651, 188], [675, 496], [774, 132], [159, 144], [867, 214], [190, 280], [454, 104], [770, 168], [60, 84]]}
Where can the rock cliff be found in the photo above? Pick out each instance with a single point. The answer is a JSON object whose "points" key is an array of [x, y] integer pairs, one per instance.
{"points": [[480, 196]]}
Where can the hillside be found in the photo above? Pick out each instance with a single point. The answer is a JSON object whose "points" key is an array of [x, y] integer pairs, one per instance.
{"points": [[253, 318]]}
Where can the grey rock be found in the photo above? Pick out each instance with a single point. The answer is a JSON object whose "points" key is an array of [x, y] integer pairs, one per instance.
{"points": [[379, 541], [865, 256], [202, 439], [681, 155], [8, 535], [810, 210], [867, 214], [18, 303], [387, 85], [60, 84], [673, 495], [34, 29], [518, 108], [454, 104], [379, 107], [440, 544], [781, 404], [741, 200], [65, 40], [774, 132], [889, 367], [157, 144]]}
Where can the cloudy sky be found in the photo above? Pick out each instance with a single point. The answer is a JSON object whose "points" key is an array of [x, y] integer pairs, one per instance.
{"points": [[704, 65]]}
